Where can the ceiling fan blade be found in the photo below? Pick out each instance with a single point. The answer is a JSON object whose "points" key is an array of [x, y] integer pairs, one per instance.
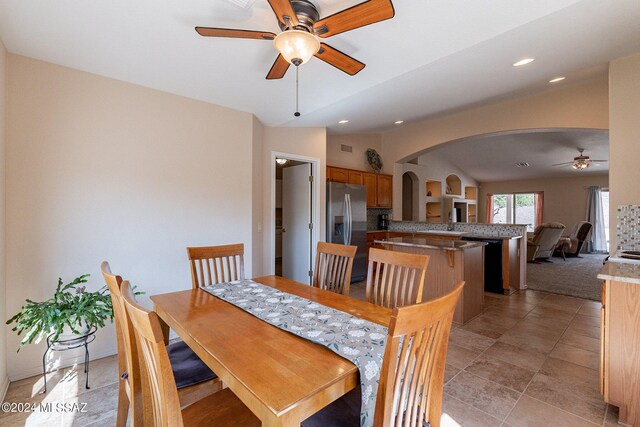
{"points": [[564, 163], [284, 10], [278, 69], [235, 34], [600, 161], [366, 13], [339, 60]]}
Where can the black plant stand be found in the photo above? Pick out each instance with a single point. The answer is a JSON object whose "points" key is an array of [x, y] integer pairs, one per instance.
{"points": [[70, 344]]}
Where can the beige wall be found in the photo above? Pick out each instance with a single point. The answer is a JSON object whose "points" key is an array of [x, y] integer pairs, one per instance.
{"points": [[584, 105], [624, 134], [101, 169], [257, 202], [357, 159], [307, 144], [4, 381], [565, 199]]}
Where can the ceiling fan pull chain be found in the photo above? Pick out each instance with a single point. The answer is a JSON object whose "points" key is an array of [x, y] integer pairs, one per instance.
{"points": [[297, 113]]}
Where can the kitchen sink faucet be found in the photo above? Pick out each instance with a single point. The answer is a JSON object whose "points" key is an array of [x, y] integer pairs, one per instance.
{"points": [[450, 225]]}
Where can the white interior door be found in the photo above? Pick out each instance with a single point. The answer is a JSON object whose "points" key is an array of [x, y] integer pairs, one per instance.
{"points": [[296, 217]]}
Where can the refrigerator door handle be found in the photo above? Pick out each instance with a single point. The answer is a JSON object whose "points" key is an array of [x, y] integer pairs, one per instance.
{"points": [[345, 226], [349, 219]]}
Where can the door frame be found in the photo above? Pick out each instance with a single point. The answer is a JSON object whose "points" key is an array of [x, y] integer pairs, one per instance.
{"points": [[315, 204]]}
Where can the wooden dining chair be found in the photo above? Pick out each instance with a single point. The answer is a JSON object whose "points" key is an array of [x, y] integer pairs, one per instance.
{"points": [[395, 278], [194, 379], [332, 271], [216, 264], [219, 409], [412, 373]]}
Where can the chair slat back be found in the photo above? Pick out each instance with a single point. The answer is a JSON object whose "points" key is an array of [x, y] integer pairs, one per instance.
{"points": [[128, 364], [160, 383], [412, 374], [332, 271], [216, 264], [395, 279]]}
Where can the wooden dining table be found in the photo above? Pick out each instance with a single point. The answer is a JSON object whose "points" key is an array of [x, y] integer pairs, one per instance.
{"points": [[281, 377]]}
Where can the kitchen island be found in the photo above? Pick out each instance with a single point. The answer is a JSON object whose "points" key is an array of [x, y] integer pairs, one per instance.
{"points": [[450, 261]]}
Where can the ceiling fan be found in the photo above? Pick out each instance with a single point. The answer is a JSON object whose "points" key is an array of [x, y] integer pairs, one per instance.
{"points": [[301, 28], [580, 162]]}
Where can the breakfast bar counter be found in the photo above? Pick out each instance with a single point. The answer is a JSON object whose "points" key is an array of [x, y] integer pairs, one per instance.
{"points": [[450, 261]]}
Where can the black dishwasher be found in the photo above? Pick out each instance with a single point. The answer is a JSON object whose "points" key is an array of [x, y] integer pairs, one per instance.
{"points": [[492, 263]]}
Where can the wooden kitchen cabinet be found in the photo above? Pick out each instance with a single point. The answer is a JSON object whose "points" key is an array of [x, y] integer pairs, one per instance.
{"points": [[337, 174], [379, 187], [356, 177], [620, 349], [384, 190], [370, 183]]}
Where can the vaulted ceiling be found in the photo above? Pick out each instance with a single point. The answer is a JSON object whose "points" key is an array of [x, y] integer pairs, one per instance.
{"points": [[434, 56]]}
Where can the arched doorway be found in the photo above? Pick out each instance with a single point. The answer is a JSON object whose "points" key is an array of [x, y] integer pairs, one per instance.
{"points": [[410, 189]]}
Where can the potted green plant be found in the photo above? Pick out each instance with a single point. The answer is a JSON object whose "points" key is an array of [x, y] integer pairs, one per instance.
{"points": [[71, 308]]}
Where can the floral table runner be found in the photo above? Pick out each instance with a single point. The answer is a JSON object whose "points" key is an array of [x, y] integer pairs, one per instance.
{"points": [[357, 340]]}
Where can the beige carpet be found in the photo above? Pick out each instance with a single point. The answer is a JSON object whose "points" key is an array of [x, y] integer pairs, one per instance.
{"points": [[575, 276]]}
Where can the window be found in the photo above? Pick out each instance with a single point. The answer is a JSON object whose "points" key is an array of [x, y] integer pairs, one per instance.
{"points": [[516, 208]]}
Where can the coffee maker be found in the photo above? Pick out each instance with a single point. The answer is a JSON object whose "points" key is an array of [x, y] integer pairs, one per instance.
{"points": [[383, 222]]}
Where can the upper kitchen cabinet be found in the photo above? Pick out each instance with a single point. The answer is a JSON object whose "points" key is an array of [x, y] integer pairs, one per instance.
{"points": [[337, 174], [356, 177], [384, 190], [372, 189], [379, 187], [379, 190]]}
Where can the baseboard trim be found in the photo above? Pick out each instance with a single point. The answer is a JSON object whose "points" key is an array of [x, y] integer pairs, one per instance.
{"points": [[4, 387], [64, 363]]}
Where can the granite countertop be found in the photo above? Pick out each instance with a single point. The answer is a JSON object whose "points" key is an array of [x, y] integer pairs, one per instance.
{"points": [[467, 234], [452, 234], [621, 272], [491, 236], [424, 242]]}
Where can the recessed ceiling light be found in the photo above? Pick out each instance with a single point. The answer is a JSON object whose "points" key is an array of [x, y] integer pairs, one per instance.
{"points": [[341, 122], [557, 79], [524, 62], [399, 122]]}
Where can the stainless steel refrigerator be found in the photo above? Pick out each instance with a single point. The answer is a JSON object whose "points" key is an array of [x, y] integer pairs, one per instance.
{"points": [[347, 222]]}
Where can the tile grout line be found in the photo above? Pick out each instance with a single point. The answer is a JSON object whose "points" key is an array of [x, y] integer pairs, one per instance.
{"points": [[493, 382], [538, 370], [477, 409], [547, 357]]}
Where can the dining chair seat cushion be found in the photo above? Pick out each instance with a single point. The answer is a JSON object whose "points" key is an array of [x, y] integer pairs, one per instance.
{"points": [[344, 412], [187, 367]]}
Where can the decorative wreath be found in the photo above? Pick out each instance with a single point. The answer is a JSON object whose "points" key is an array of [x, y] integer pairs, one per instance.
{"points": [[374, 159]]}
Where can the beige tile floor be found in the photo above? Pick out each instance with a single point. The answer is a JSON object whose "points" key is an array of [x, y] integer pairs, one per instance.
{"points": [[530, 359]]}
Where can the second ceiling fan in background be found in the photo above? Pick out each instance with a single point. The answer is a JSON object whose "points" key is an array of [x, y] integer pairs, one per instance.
{"points": [[301, 29]]}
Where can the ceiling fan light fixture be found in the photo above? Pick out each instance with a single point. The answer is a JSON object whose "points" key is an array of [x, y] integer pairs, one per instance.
{"points": [[581, 164], [296, 46]]}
